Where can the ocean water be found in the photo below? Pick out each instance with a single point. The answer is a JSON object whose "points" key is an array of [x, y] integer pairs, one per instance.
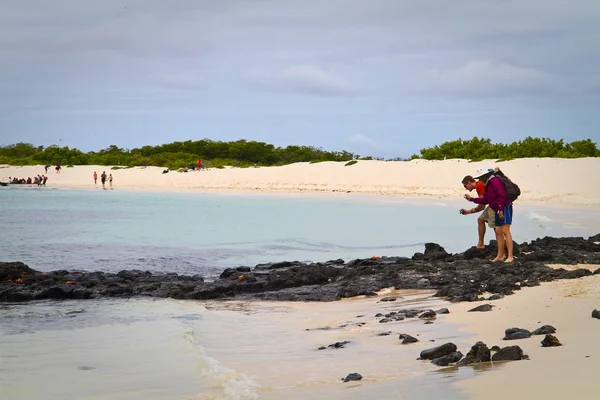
{"points": [[155, 349]]}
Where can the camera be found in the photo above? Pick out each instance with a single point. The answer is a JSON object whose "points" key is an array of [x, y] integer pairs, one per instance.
{"points": [[461, 211]]}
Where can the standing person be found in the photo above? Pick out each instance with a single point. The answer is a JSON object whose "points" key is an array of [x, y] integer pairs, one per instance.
{"points": [[495, 197], [46, 167], [199, 164], [95, 178], [103, 178], [45, 179], [110, 180], [57, 168], [487, 216]]}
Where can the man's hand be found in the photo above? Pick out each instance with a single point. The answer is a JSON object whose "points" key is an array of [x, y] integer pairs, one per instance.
{"points": [[464, 212], [468, 197], [501, 214]]}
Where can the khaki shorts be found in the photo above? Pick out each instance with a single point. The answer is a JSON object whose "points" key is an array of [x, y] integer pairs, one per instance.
{"points": [[488, 215]]}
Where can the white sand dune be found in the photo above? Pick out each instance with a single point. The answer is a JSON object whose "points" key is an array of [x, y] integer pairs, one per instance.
{"points": [[553, 181]]}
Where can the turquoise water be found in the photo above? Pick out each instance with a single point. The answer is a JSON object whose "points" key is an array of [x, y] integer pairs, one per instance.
{"points": [[199, 233], [155, 349]]}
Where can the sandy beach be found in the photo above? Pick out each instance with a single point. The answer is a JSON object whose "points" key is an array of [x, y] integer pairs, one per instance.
{"points": [[549, 181]]}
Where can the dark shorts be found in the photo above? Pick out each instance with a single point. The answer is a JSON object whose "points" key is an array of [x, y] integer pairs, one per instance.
{"points": [[103, 180], [508, 216]]}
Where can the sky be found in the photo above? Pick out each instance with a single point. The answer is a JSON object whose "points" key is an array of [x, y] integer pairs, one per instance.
{"points": [[375, 77]]}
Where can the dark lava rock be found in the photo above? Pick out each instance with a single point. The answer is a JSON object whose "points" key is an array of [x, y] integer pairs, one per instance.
{"points": [[338, 345], [483, 307], [495, 297], [388, 299], [352, 377], [455, 277], [388, 333], [429, 314], [516, 333], [495, 348], [428, 322], [509, 353], [437, 352], [479, 353], [447, 359], [544, 330], [385, 320], [443, 311], [596, 314], [406, 339], [550, 341]]}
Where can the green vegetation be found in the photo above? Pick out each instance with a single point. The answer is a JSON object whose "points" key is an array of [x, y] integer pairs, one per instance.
{"points": [[481, 149], [243, 154], [174, 155], [350, 163]]}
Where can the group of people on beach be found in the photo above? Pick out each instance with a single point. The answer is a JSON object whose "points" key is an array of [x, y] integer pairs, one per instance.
{"points": [[39, 180], [103, 179], [496, 207]]}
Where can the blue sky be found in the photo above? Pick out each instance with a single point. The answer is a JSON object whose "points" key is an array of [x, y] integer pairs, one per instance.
{"points": [[375, 77]]}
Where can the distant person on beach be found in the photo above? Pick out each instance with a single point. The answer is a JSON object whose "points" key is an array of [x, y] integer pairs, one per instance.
{"points": [[57, 168], [110, 180], [46, 167], [495, 197], [199, 164], [95, 178], [45, 179], [103, 178], [487, 216]]}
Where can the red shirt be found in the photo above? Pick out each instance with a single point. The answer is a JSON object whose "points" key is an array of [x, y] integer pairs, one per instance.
{"points": [[480, 188]]}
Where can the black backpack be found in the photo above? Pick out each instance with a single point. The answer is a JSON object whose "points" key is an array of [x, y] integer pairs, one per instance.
{"points": [[512, 189]]}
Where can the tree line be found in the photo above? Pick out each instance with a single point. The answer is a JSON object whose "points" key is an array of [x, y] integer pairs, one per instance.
{"points": [[242, 153]]}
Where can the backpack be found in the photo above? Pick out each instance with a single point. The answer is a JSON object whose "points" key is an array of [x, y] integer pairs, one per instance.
{"points": [[512, 189]]}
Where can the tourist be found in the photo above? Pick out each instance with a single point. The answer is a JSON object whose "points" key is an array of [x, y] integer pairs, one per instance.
{"points": [[95, 178], [103, 178], [110, 180], [487, 216], [495, 196]]}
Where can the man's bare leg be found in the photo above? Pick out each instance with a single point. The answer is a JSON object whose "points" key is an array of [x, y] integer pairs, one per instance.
{"points": [[500, 240], [481, 232], [509, 242]]}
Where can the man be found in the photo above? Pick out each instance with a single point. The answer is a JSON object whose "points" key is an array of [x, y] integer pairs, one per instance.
{"points": [[103, 178], [487, 216], [495, 196]]}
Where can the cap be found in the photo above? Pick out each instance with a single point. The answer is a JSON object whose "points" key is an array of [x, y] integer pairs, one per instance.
{"points": [[482, 171]]}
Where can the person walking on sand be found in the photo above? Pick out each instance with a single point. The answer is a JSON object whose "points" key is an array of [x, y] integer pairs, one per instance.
{"points": [[495, 196], [103, 178], [487, 216], [110, 180], [95, 178]]}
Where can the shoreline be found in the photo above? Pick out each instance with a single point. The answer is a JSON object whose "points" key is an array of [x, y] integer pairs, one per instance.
{"points": [[553, 183]]}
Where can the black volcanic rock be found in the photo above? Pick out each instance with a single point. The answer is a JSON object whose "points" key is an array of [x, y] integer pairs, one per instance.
{"points": [[454, 277]]}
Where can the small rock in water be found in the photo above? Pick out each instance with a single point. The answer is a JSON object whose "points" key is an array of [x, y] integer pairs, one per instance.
{"points": [[428, 322], [443, 311], [495, 348], [516, 333], [451, 358], [482, 308], [429, 314], [509, 353], [544, 330], [384, 333], [339, 345], [550, 341], [596, 314], [406, 339], [352, 377], [438, 352], [391, 298]]}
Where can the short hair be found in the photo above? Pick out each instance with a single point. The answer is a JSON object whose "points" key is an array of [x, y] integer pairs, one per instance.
{"points": [[467, 179]]}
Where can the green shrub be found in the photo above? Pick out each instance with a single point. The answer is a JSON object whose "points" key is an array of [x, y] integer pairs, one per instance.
{"points": [[350, 163]]}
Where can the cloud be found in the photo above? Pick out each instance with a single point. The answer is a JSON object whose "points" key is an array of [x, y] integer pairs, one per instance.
{"points": [[303, 79], [181, 82], [489, 77], [362, 140]]}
